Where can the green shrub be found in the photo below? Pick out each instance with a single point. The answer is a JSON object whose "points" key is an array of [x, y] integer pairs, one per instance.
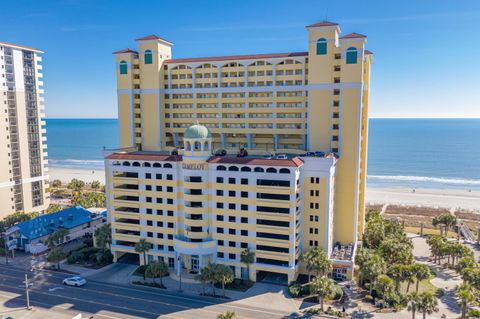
{"points": [[369, 299], [380, 303], [337, 293], [294, 289], [71, 259]]}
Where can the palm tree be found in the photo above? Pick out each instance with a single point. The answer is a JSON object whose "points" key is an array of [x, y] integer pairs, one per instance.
{"points": [[103, 237], [224, 274], [247, 257], [56, 183], [466, 295], [408, 276], [95, 185], [56, 238], [420, 272], [156, 269], [204, 277], [316, 260], [384, 287], [413, 302], [322, 287], [142, 247], [373, 268], [210, 274], [76, 185], [427, 303], [227, 315], [396, 273]]}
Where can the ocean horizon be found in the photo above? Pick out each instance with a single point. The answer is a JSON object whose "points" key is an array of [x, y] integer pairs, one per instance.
{"points": [[414, 153]]}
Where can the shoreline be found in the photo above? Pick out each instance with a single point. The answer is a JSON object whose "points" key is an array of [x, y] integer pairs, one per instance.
{"points": [[450, 198]]}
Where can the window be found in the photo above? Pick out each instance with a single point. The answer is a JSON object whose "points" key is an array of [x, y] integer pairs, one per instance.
{"points": [[169, 189], [244, 207], [244, 220], [158, 176], [148, 187], [219, 230], [231, 244], [219, 192], [352, 55], [148, 57], [169, 177], [231, 180], [244, 194], [321, 46], [231, 193], [231, 231], [219, 205], [232, 206], [231, 219], [219, 179], [231, 256], [219, 254], [148, 176], [244, 181], [123, 67], [244, 232], [158, 188], [220, 243], [220, 218], [244, 245]]}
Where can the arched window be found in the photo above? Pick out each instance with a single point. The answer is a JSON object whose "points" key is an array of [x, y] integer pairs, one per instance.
{"points": [[146, 164], [321, 46], [271, 170], [259, 170], [126, 164], [197, 146], [136, 164], [284, 171], [157, 165], [167, 165], [352, 55], [221, 168], [246, 169], [233, 168], [123, 67], [148, 57], [116, 163]]}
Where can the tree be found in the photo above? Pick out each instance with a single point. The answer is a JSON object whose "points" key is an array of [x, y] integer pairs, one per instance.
{"points": [[322, 287], [374, 230], [57, 238], [142, 247], [446, 220], [427, 303], [210, 274], [396, 273], [316, 260], [76, 185], [466, 295], [373, 268], [247, 257], [103, 237], [56, 183], [437, 244], [465, 263], [204, 277], [385, 287], [223, 274], [53, 208], [420, 272], [95, 185], [408, 276], [395, 251], [474, 314], [156, 269], [227, 315], [413, 302], [56, 256]]}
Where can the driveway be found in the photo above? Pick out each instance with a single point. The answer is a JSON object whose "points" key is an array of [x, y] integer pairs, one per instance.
{"points": [[117, 273]]}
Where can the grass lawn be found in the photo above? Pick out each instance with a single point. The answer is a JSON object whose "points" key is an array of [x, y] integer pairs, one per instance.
{"points": [[428, 231], [425, 285]]}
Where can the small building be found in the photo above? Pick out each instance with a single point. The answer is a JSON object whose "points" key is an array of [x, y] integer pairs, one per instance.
{"points": [[32, 235]]}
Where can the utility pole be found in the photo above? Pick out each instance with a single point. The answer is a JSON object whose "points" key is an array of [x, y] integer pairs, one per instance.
{"points": [[26, 292]]}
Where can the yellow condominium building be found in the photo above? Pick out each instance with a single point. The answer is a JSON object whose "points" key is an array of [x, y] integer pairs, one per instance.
{"points": [[22, 134], [219, 154]]}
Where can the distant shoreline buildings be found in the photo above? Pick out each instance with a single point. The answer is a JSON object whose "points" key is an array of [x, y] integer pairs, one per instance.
{"points": [[195, 175], [23, 172]]}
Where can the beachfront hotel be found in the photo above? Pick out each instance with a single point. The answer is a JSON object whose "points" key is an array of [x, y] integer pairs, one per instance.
{"points": [[23, 161], [262, 151]]}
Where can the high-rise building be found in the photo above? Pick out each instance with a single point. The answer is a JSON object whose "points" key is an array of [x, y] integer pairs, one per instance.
{"points": [[22, 134], [195, 175]]}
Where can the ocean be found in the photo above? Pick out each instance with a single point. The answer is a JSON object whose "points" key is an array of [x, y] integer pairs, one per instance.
{"points": [[414, 153]]}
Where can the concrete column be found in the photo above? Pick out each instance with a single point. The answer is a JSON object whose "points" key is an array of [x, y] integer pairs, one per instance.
{"points": [[200, 262], [249, 141], [275, 141], [223, 140], [178, 263], [245, 76]]}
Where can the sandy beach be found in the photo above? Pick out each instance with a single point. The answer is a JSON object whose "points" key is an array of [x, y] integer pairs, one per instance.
{"points": [[67, 174], [441, 198]]}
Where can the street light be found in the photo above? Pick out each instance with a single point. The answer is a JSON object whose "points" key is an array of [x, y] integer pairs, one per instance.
{"points": [[26, 292], [180, 266]]}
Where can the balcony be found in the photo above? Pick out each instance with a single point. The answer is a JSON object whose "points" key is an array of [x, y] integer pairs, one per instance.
{"points": [[184, 245]]}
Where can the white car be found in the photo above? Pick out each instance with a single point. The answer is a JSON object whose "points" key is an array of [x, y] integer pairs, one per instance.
{"points": [[76, 281]]}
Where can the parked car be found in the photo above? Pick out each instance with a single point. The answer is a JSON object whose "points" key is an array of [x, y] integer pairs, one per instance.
{"points": [[76, 281]]}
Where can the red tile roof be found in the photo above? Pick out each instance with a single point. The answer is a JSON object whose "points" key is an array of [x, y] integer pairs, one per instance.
{"points": [[153, 37], [353, 36], [20, 47], [144, 157], [322, 24], [294, 162], [125, 51], [238, 57], [367, 52]]}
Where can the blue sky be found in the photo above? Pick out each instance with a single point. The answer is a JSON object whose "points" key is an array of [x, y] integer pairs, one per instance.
{"points": [[426, 60]]}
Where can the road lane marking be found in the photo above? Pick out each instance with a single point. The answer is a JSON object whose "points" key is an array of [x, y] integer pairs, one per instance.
{"points": [[116, 286]]}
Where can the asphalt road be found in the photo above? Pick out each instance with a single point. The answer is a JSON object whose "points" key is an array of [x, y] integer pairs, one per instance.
{"points": [[111, 301]]}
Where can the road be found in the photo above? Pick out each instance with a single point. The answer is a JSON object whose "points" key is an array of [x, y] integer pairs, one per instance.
{"points": [[111, 301]]}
